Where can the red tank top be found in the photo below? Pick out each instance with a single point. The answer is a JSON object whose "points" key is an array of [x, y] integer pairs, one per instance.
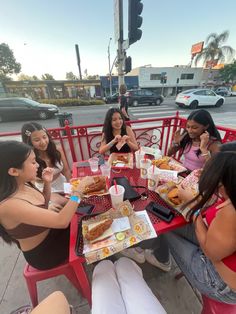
{"points": [[229, 261]]}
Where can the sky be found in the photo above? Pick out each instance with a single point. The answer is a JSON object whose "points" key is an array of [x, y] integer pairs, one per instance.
{"points": [[43, 33]]}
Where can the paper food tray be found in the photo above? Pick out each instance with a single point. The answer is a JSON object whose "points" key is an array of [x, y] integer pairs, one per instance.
{"points": [[140, 229], [114, 160], [88, 180], [174, 164]]}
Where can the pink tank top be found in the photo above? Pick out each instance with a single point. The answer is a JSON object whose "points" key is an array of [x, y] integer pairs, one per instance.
{"points": [[191, 160], [229, 261]]}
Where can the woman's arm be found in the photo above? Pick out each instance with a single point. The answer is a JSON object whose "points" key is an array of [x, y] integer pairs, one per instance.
{"points": [[104, 147], [172, 150], [131, 140], [66, 170], [47, 192], [219, 240], [21, 211]]}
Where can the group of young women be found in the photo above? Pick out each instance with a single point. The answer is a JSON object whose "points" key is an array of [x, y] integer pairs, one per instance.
{"points": [[36, 216]]}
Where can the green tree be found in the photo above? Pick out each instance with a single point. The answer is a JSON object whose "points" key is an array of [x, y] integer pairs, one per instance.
{"points": [[25, 77], [47, 77], [8, 64], [71, 76], [214, 49], [228, 73], [93, 77]]}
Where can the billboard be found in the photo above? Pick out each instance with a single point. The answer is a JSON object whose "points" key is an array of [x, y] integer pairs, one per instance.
{"points": [[197, 48], [211, 64]]}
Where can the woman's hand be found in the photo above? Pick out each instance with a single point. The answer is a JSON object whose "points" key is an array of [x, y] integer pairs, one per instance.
{"points": [[55, 207], [178, 136], [47, 175], [125, 138], [204, 138], [185, 194], [117, 138]]}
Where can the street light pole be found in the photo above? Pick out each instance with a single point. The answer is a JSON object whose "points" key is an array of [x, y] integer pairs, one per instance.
{"points": [[109, 64]]}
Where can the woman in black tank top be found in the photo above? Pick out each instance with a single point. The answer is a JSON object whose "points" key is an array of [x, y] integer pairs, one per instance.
{"points": [[116, 131], [41, 234]]}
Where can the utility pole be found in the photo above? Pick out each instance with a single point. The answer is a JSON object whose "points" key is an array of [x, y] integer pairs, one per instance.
{"points": [[78, 60], [120, 51], [109, 64]]}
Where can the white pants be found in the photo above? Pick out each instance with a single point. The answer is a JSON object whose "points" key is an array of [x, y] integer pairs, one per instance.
{"points": [[120, 289]]}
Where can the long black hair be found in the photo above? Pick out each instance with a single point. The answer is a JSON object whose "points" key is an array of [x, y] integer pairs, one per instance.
{"points": [[204, 118], [107, 127], [220, 169], [52, 152], [12, 155]]}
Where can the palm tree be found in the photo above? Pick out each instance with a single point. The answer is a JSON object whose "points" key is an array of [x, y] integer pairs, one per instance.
{"points": [[214, 49]]}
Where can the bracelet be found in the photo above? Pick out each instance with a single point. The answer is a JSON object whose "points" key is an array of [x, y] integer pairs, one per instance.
{"points": [[206, 154], [75, 198], [196, 214], [110, 144]]}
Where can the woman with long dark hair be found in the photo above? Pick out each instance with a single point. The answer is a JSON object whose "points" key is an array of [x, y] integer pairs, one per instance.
{"points": [[206, 249], [41, 234], [116, 131], [198, 141], [48, 154]]}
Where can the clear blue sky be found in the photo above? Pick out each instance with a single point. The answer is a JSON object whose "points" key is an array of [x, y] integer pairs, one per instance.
{"points": [[43, 33]]}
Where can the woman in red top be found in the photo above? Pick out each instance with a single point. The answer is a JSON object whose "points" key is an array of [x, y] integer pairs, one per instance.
{"points": [[206, 250]]}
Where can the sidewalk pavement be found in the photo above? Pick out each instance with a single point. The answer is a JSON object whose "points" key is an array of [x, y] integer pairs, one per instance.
{"points": [[176, 296]]}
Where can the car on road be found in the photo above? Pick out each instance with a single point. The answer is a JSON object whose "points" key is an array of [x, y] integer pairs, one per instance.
{"points": [[193, 98], [114, 98], [143, 96], [17, 108], [222, 91]]}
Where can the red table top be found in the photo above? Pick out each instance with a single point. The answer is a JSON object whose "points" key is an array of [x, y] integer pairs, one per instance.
{"points": [[103, 203]]}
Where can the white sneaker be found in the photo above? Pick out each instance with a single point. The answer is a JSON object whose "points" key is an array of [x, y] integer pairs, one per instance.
{"points": [[150, 258], [136, 254]]}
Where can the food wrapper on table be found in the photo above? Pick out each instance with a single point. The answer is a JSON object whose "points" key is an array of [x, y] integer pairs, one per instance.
{"points": [[169, 192], [135, 226], [121, 160], [91, 185], [169, 163], [155, 152]]}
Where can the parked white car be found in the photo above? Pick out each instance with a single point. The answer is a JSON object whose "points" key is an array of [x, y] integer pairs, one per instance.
{"points": [[193, 98]]}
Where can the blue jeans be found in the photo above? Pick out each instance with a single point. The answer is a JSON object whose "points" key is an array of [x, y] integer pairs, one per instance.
{"points": [[197, 268]]}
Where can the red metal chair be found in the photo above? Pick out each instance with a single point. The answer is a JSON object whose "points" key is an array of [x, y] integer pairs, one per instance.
{"points": [[75, 274], [211, 306]]}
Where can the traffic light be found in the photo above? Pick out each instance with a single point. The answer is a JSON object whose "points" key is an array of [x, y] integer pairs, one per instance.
{"points": [[128, 65], [135, 20]]}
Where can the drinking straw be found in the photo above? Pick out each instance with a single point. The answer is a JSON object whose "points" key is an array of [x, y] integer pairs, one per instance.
{"points": [[115, 184], [145, 157], [153, 169], [107, 182]]}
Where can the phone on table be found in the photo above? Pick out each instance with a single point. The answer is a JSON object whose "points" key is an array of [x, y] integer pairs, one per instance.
{"points": [[160, 211], [85, 209]]}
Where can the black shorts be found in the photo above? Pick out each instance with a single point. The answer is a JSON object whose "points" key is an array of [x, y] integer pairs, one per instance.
{"points": [[53, 251]]}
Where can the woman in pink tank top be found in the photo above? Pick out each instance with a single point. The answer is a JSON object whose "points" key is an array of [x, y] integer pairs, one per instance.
{"points": [[198, 141]]}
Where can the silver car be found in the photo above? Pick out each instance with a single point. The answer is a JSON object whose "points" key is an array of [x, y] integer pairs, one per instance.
{"points": [[193, 98]]}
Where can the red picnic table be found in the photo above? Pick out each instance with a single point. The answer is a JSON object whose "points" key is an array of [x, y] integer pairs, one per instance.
{"points": [[103, 203]]}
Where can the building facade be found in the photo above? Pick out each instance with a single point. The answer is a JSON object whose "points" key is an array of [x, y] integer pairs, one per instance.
{"points": [[178, 78]]}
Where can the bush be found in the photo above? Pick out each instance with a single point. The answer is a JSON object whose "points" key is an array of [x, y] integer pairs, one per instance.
{"points": [[68, 102]]}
